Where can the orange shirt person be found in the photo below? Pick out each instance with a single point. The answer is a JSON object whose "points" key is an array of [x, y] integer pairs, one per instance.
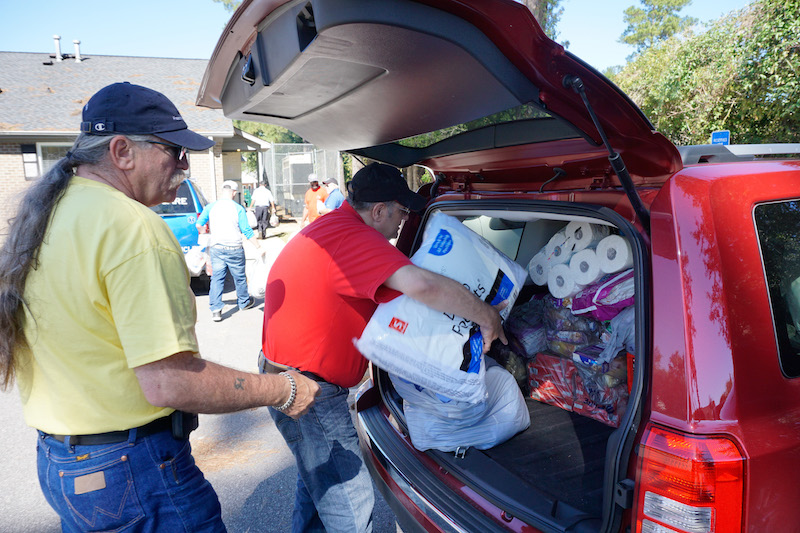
{"points": [[314, 194]]}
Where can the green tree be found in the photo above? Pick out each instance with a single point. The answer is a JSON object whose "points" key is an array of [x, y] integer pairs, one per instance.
{"points": [[547, 14], [230, 5], [658, 21], [267, 132], [741, 74]]}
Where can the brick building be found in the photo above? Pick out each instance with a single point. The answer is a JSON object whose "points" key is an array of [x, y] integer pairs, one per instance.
{"points": [[42, 95]]}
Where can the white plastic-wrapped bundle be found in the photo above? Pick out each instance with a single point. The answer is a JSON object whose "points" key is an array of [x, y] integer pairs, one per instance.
{"points": [[614, 253], [561, 282], [195, 260], [539, 268], [436, 423], [435, 350], [559, 248], [585, 267], [584, 235]]}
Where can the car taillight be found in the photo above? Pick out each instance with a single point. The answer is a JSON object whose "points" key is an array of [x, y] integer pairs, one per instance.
{"points": [[688, 483]]}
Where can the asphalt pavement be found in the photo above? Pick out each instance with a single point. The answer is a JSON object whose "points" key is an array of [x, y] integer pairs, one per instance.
{"points": [[242, 454]]}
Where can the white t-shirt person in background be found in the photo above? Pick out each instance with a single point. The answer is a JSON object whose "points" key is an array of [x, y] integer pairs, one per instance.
{"points": [[264, 204], [227, 224]]}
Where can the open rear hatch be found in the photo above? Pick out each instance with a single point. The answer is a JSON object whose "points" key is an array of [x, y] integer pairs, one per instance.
{"points": [[360, 76], [511, 111]]}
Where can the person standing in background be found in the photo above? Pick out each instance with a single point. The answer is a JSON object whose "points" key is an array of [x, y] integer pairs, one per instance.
{"points": [[227, 223], [264, 204], [335, 197], [313, 194]]}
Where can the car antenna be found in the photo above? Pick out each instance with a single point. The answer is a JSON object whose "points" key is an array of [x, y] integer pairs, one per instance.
{"points": [[576, 84]]}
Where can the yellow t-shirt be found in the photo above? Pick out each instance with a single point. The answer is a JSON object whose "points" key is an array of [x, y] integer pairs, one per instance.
{"points": [[111, 293]]}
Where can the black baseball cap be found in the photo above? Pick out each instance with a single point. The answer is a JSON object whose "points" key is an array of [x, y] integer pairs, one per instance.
{"points": [[128, 109], [377, 182]]}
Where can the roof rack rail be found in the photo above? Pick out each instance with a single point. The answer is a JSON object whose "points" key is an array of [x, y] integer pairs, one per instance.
{"points": [[721, 153]]}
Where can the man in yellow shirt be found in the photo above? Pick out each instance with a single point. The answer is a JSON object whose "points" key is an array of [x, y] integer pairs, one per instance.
{"points": [[97, 326]]}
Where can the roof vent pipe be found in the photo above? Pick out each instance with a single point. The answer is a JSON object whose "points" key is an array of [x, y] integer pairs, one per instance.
{"points": [[57, 39], [77, 44]]}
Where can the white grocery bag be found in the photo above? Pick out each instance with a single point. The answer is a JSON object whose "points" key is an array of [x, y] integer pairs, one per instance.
{"points": [[252, 221], [437, 351], [434, 424], [195, 260], [257, 270]]}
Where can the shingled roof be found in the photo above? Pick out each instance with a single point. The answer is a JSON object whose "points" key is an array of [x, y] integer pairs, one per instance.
{"points": [[42, 96]]}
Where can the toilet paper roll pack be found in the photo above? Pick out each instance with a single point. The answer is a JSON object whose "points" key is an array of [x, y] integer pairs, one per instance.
{"points": [[539, 268], [584, 235], [561, 282], [614, 253], [558, 249], [585, 267]]}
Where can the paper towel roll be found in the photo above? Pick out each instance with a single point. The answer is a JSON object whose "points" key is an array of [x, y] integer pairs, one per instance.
{"points": [[538, 268], [561, 282], [585, 267], [558, 249], [614, 254], [585, 235]]}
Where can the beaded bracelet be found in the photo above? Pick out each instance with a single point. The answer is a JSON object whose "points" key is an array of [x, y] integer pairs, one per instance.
{"points": [[292, 395]]}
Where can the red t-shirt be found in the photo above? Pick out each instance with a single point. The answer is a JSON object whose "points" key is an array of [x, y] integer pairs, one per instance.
{"points": [[322, 291]]}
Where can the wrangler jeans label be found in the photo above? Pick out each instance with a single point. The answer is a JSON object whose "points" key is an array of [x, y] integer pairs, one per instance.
{"points": [[90, 482]]}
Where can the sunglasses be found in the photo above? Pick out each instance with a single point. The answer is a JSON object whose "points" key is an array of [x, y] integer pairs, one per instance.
{"points": [[177, 152]]}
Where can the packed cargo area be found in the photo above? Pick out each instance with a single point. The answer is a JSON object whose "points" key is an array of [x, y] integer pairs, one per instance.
{"points": [[571, 353]]}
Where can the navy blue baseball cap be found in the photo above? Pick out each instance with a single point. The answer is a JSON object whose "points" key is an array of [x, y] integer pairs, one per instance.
{"points": [[377, 182], [128, 109]]}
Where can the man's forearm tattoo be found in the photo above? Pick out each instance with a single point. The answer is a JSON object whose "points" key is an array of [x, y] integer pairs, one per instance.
{"points": [[239, 384]]}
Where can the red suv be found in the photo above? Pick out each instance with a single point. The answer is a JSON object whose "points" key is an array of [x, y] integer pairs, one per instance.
{"points": [[528, 138]]}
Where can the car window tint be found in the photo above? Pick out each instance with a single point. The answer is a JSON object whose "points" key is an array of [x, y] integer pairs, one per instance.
{"points": [[182, 205], [778, 226], [523, 112]]}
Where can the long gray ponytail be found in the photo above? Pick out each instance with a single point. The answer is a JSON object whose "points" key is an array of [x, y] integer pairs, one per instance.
{"points": [[20, 251]]}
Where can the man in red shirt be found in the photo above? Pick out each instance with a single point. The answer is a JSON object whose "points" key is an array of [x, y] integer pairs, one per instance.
{"points": [[322, 291]]}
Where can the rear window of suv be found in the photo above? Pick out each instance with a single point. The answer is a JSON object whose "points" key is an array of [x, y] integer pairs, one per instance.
{"points": [[183, 204], [778, 226]]}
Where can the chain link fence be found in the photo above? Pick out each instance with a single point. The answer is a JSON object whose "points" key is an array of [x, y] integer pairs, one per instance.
{"points": [[287, 167]]}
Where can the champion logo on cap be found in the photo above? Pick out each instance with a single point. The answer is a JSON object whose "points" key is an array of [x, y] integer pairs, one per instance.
{"points": [[100, 127]]}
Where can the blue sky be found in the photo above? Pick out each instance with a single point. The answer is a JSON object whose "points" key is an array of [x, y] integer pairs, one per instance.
{"points": [[190, 28]]}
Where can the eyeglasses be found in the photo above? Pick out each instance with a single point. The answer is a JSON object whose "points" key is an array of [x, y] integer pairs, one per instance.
{"points": [[177, 152], [406, 211]]}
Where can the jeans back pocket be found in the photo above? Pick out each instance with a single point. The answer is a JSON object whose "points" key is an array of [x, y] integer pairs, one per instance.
{"points": [[101, 497]]}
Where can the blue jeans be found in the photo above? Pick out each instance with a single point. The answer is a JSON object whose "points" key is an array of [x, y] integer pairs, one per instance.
{"points": [[149, 484], [222, 260], [334, 489]]}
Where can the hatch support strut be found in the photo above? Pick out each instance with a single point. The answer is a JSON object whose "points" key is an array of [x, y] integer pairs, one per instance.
{"points": [[576, 84]]}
